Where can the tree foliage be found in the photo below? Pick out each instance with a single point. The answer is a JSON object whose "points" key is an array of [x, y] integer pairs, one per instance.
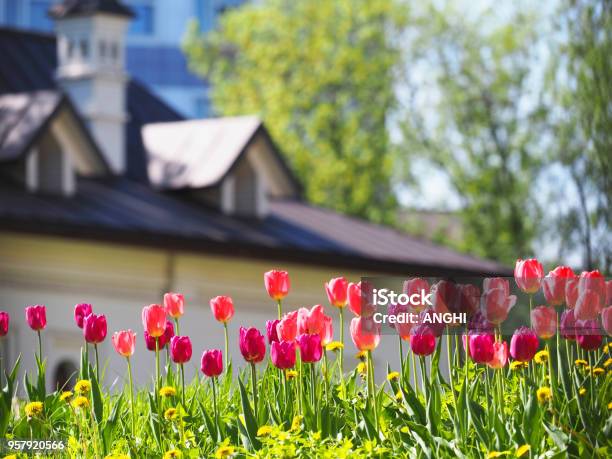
{"points": [[320, 73]]}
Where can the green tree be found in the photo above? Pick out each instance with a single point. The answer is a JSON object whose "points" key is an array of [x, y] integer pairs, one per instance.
{"points": [[471, 113], [321, 75]]}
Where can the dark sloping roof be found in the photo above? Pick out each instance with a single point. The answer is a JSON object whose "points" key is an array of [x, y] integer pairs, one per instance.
{"points": [[86, 7], [122, 210], [28, 63]]}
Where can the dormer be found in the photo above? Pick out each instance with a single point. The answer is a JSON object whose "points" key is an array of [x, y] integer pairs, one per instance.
{"points": [[230, 163], [44, 145]]}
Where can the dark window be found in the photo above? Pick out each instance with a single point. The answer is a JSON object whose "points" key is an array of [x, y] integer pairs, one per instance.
{"points": [[38, 14], [142, 24]]}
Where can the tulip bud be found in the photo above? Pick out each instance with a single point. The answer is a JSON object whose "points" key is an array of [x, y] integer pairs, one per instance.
{"points": [[4, 323], [310, 322], [524, 344], [310, 348], [283, 354], [365, 333], [544, 321], [124, 342], [481, 347], [416, 286], [588, 334], [222, 308], [81, 311], [252, 345], [554, 285], [567, 326], [358, 300], [271, 330], [277, 284], [496, 301], [36, 316], [180, 349], [528, 275], [287, 328], [422, 340], [211, 363], [337, 291], [94, 328], [174, 304], [500, 355], [154, 320], [327, 333]]}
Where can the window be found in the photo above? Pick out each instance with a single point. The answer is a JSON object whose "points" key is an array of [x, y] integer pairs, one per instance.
{"points": [[38, 14], [142, 23]]}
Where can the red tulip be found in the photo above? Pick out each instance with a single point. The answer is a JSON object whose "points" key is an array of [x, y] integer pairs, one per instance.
{"points": [[422, 340], [594, 281], [124, 342], [163, 339], [415, 286], [365, 333], [500, 355], [554, 285], [588, 334], [358, 300], [81, 311], [252, 345], [528, 275], [571, 292], [211, 363], [327, 334], [544, 321], [283, 354], [174, 303], [588, 305], [222, 308], [277, 284], [94, 328], [154, 320], [310, 348], [287, 328], [481, 347], [36, 317], [337, 291], [606, 320], [4, 323], [271, 330], [446, 297], [428, 318], [496, 301], [567, 327], [310, 322], [180, 349], [524, 344]]}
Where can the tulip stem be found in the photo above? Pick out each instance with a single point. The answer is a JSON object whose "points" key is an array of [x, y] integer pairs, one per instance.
{"points": [[372, 389], [214, 391], [279, 304], [156, 367], [97, 363], [183, 384], [414, 371], [226, 346], [312, 386], [590, 376], [325, 369], [342, 350], [178, 330], [450, 370], [401, 354], [39, 345], [254, 383], [131, 395]]}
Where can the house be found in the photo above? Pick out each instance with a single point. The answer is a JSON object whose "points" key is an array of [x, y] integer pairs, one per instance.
{"points": [[109, 196]]}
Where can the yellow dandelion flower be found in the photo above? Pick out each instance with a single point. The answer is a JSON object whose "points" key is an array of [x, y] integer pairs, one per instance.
{"points": [[598, 371], [241, 418], [224, 451], [393, 376], [362, 368], [541, 357], [399, 396], [582, 391], [405, 429], [11, 456], [334, 346], [581, 363], [610, 406], [544, 394], [494, 454], [173, 454], [363, 355], [516, 365], [170, 414], [606, 348], [316, 436], [291, 374], [65, 396], [522, 450], [83, 386], [282, 436], [167, 391], [80, 402], [264, 431], [33, 409], [607, 363], [296, 424], [117, 456]]}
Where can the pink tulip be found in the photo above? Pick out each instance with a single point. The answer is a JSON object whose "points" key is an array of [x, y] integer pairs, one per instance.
{"points": [[180, 349], [174, 303], [554, 285], [36, 317], [277, 284], [365, 333], [397, 310], [481, 347], [528, 275], [524, 344], [252, 345], [222, 308], [81, 311], [163, 339], [606, 320], [310, 348], [571, 292], [588, 334], [310, 322], [496, 301], [358, 300], [4, 323], [211, 363], [594, 281], [544, 321], [124, 342], [154, 320], [271, 330], [287, 328], [94, 328], [588, 305], [283, 354], [469, 299], [446, 297], [327, 334], [337, 290], [415, 286], [500, 355], [567, 327], [422, 340]]}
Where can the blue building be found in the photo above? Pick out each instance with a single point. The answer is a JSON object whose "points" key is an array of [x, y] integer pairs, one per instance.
{"points": [[153, 44]]}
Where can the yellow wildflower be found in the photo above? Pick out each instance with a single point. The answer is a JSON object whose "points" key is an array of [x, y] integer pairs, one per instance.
{"points": [[167, 391], [582, 391], [334, 346], [363, 355], [362, 368], [610, 406], [541, 357], [11, 456], [80, 402], [34, 409], [264, 431], [522, 450], [405, 429], [606, 348], [493, 454], [399, 396], [117, 456], [598, 371], [170, 414], [83, 386], [224, 451], [291, 374], [607, 363], [316, 436], [296, 424], [173, 454], [581, 363], [65, 396], [393, 376], [544, 394], [516, 365]]}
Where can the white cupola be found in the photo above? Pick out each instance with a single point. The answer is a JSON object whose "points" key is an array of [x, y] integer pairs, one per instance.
{"points": [[91, 68]]}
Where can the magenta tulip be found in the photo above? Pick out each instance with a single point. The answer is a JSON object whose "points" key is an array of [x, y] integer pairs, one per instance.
{"points": [[211, 363], [271, 330], [283, 354], [81, 311], [481, 347], [36, 317], [94, 328], [180, 349], [528, 275], [524, 344], [544, 321], [4, 323], [567, 326], [588, 334], [310, 348], [252, 345], [422, 340], [163, 339]]}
